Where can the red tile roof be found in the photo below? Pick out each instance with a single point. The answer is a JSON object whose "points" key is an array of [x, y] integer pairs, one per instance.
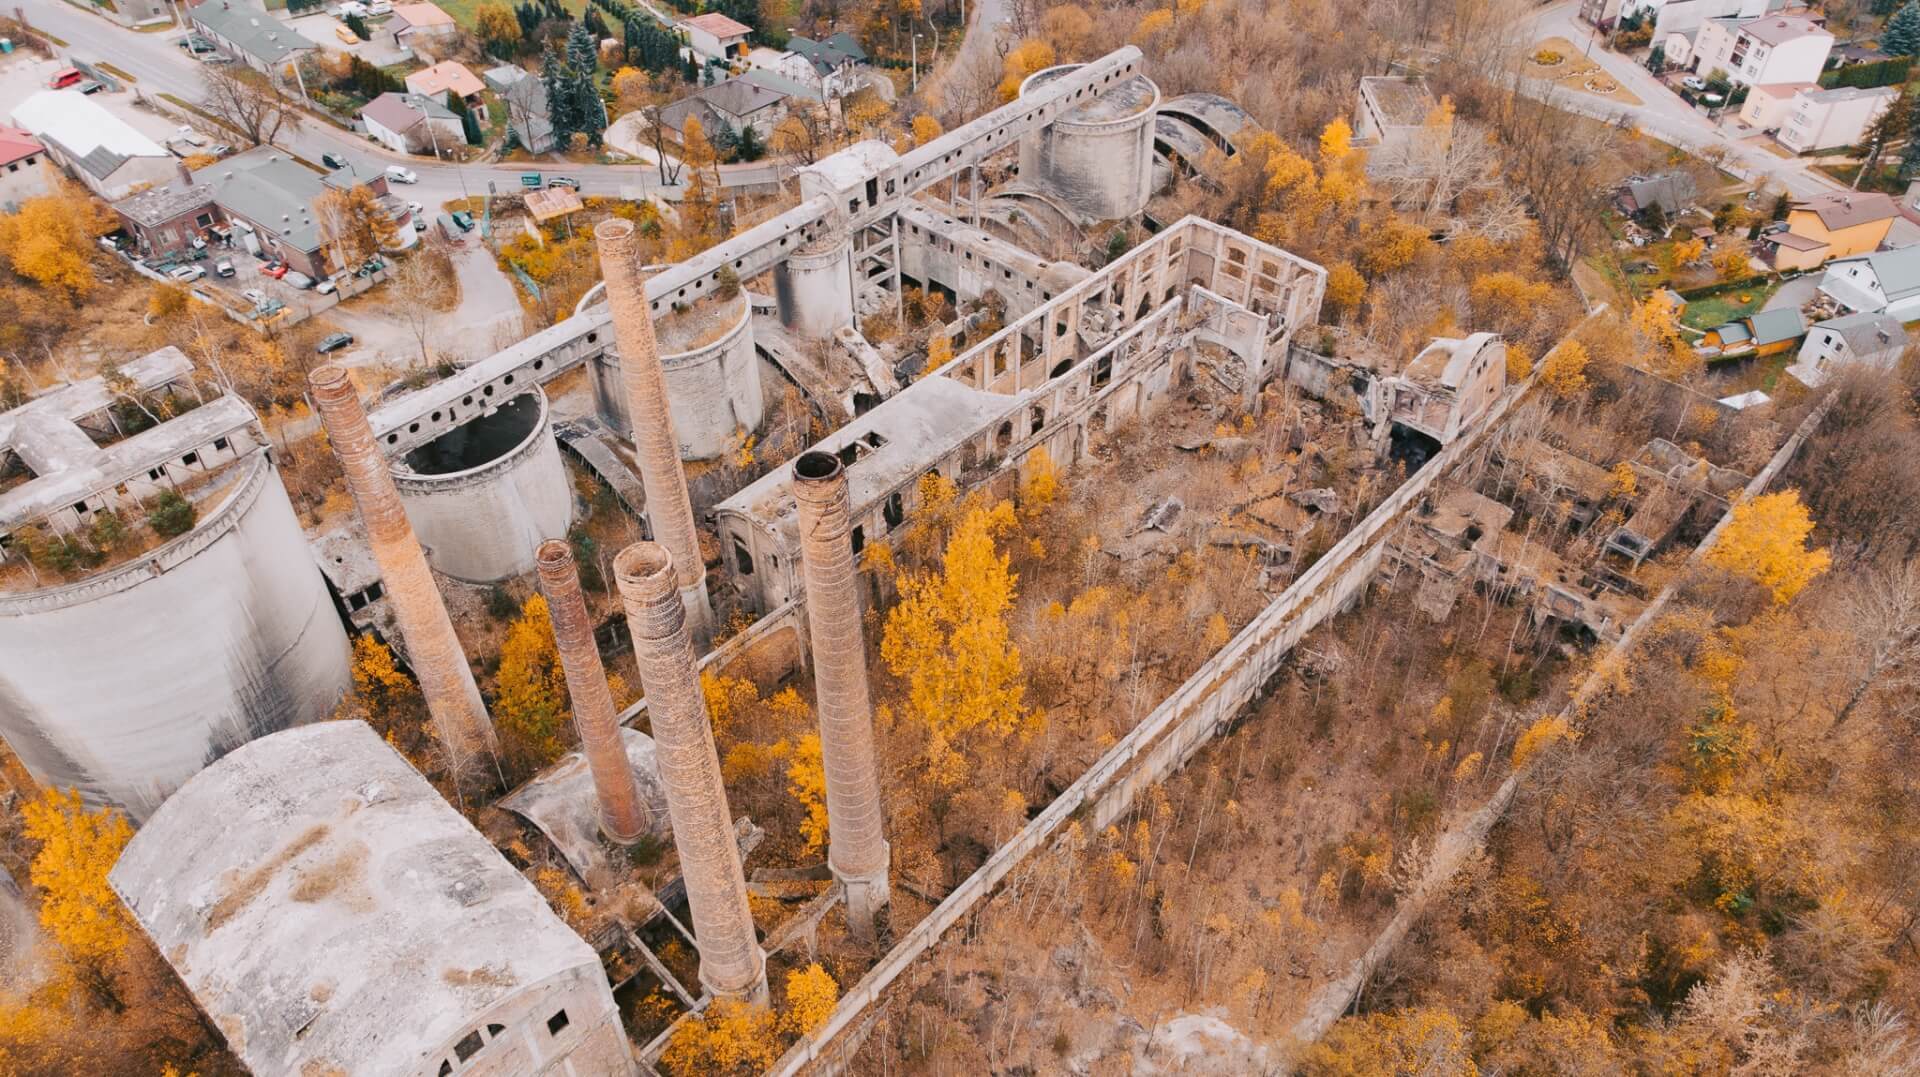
{"points": [[16, 144]]}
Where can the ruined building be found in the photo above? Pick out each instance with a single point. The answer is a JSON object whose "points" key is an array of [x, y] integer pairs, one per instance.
{"points": [[127, 680], [343, 918]]}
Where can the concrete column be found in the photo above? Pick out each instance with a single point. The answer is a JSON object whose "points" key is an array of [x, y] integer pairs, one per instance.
{"points": [[433, 650], [731, 963], [623, 815], [669, 509], [857, 848]]}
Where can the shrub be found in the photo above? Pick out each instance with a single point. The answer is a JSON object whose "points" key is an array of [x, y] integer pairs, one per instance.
{"points": [[171, 515]]}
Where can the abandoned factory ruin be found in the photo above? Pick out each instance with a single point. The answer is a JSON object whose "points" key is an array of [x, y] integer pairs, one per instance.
{"points": [[695, 473]]}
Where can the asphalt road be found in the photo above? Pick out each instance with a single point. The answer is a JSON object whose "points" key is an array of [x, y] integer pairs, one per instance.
{"points": [[161, 66]]}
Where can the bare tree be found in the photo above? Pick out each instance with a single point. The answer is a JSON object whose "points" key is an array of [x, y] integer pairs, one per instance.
{"points": [[247, 102], [1433, 167], [1882, 611], [657, 130]]}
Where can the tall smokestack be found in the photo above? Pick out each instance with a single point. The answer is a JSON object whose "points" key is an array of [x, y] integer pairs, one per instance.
{"points": [[432, 648], [623, 816], [669, 510], [856, 837], [731, 963]]}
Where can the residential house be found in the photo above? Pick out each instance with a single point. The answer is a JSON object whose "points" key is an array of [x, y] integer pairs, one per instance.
{"points": [[1601, 13], [1831, 226], [251, 36], [411, 123], [1867, 339], [95, 146], [1886, 282], [416, 26], [1673, 192], [733, 105], [1686, 16], [713, 36], [446, 77], [26, 169], [1767, 106], [832, 68], [1776, 330], [1676, 49], [1768, 50], [134, 12], [499, 78], [1825, 119], [527, 115], [262, 201]]}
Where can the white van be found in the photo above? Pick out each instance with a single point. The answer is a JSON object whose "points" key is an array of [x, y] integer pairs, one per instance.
{"points": [[397, 174]]}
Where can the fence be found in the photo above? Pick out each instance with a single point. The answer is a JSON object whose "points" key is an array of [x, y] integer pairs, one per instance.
{"points": [[1160, 744]]}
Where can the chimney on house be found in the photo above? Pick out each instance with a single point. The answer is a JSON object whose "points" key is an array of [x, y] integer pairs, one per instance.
{"points": [[857, 848], [669, 509], [731, 962], [623, 815], [446, 680]]}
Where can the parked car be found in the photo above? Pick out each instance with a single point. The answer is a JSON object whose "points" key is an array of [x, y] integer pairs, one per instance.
{"points": [[89, 86], [333, 343], [463, 220], [351, 7], [416, 208], [1694, 83], [255, 296], [186, 274], [196, 44], [276, 270], [326, 287], [215, 58], [346, 36], [397, 174], [380, 7], [65, 77], [333, 160], [223, 268], [369, 267], [298, 280], [219, 149]]}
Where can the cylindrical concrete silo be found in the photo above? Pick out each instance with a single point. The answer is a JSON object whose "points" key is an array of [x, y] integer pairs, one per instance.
{"points": [[485, 494], [713, 381], [125, 684], [814, 287], [1097, 156]]}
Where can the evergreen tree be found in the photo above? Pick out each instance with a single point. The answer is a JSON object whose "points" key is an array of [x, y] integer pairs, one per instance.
{"points": [[560, 100], [690, 70], [359, 27], [588, 111], [748, 146], [1883, 7], [1902, 35], [469, 124]]}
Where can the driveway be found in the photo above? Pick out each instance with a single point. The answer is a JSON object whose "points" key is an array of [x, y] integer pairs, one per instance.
{"points": [[1794, 294]]}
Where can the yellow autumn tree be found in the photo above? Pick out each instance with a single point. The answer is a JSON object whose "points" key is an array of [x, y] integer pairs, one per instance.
{"points": [[1024, 59], [1336, 141], [78, 910], [1625, 482], [1395, 245], [1766, 541], [1546, 731], [925, 129], [948, 638], [1346, 288], [729, 1037], [700, 205], [1564, 370], [807, 781], [811, 996], [46, 241], [378, 684], [530, 693], [1152, 24], [1505, 300], [1039, 483], [1731, 263], [1663, 349], [1403, 1042]]}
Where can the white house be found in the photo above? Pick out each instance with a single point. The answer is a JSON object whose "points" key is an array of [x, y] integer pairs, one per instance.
{"points": [[96, 146], [251, 36], [26, 170], [420, 25], [1768, 105], [1884, 282], [1824, 119], [1764, 51], [1875, 340], [410, 123], [713, 36], [832, 68], [1685, 16]]}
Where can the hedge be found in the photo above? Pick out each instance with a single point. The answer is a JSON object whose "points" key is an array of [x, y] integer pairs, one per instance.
{"points": [[1887, 72]]}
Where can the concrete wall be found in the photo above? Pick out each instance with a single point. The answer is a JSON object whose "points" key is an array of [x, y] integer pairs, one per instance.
{"points": [[126, 684], [714, 390], [592, 1039], [814, 288], [480, 523], [1101, 169]]}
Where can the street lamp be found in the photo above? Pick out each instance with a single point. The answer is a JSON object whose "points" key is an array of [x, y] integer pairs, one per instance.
{"points": [[915, 46]]}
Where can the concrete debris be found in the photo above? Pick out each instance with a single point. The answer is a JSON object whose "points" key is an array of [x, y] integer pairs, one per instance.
{"points": [[1321, 499], [1162, 514]]}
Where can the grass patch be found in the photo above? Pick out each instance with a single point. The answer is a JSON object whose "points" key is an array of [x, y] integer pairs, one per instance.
{"points": [[463, 11], [1721, 309], [1886, 178], [116, 73]]}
